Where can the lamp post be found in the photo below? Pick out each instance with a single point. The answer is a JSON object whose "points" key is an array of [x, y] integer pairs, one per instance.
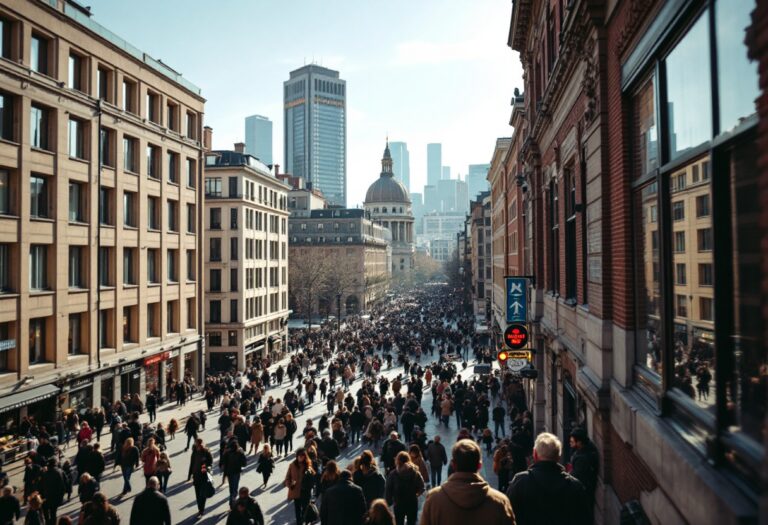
{"points": [[338, 312]]}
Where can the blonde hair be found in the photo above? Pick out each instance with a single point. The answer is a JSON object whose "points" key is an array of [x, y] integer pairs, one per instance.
{"points": [[548, 447], [35, 501]]}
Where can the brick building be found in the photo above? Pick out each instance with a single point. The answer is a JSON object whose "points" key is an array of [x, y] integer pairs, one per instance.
{"points": [[636, 150]]}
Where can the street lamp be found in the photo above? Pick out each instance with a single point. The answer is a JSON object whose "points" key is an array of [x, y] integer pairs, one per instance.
{"points": [[338, 312]]}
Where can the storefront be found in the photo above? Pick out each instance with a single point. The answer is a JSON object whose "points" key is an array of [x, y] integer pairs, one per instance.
{"points": [[153, 369], [130, 379], [38, 403], [107, 389], [223, 361], [253, 353], [80, 395]]}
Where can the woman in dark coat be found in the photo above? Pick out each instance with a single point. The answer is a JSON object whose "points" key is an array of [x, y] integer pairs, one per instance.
{"points": [[202, 484], [266, 464]]}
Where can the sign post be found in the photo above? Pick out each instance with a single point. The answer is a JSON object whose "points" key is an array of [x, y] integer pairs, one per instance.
{"points": [[516, 355], [517, 299]]}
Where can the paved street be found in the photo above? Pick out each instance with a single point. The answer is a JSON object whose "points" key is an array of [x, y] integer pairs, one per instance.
{"points": [[273, 500]]}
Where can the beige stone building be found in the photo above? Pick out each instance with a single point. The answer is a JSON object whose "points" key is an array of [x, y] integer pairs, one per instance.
{"points": [[246, 260], [99, 261]]}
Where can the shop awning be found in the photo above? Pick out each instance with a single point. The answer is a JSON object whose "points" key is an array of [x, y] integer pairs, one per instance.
{"points": [[27, 397]]}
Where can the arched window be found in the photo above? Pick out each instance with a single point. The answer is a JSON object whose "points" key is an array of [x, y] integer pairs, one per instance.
{"points": [[384, 209]]}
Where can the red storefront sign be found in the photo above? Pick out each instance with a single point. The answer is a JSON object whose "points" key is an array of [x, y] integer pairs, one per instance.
{"points": [[163, 356]]}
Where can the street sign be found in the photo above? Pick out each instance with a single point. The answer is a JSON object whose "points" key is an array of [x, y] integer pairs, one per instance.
{"points": [[517, 299], [516, 336]]}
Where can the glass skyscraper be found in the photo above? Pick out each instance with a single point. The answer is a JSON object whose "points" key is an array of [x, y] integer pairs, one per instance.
{"points": [[401, 163], [258, 138], [434, 163], [315, 110]]}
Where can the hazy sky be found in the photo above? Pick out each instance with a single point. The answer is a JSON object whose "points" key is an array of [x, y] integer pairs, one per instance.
{"points": [[419, 70]]}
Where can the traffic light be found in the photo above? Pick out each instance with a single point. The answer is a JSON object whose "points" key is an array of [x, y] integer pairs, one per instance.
{"points": [[502, 356]]}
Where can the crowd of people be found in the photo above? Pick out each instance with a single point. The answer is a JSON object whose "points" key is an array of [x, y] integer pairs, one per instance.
{"points": [[423, 341]]}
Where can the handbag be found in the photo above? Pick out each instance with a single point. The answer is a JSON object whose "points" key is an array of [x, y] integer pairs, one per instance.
{"points": [[311, 514], [210, 488]]}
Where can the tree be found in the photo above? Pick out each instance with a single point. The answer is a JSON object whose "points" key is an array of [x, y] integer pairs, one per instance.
{"points": [[339, 279], [425, 269], [307, 277]]}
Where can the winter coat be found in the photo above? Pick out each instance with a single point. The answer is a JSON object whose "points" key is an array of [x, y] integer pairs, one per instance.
{"points": [[293, 479], [419, 462], [404, 485], [343, 504], [53, 486], [150, 508], [199, 457], [372, 483], [466, 498], [233, 462], [533, 492], [149, 457], [257, 433], [389, 452], [585, 463], [436, 454]]}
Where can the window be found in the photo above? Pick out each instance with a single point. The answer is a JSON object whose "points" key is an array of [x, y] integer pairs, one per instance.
{"points": [[232, 336], [702, 206], [215, 285], [5, 268], [215, 316], [680, 242], [106, 138], [153, 107], [706, 275], [77, 196], [678, 182], [173, 271], [191, 265], [105, 328], [129, 96], [172, 116], [233, 279], [106, 205], [129, 322], [680, 277], [129, 267], [678, 211], [39, 128], [191, 312], [705, 309], [6, 116], [171, 315], [105, 266], [213, 187], [6, 41], [36, 341], [215, 218], [38, 193], [215, 251], [74, 338], [153, 213], [38, 55], [173, 215], [130, 154], [233, 218], [129, 209], [191, 125], [38, 267], [214, 338], [104, 84], [232, 187], [153, 263], [648, 295], [173, 167], [191, 173], [681, 306], [76, 75], [233, 248], [153, 320], [153, 161], [570, 234], [704, 237], [554, 238], [191, 218], [76, 267]]}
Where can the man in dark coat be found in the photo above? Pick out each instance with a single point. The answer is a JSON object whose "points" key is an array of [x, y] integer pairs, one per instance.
{"points": [[328, 447], [151, 404], [191, 428], [151, 507], [584, 464], [250, 506], [437, 458], [343, 503], [389, 451], [53, 488], [232, 464], [10, 509], [534, 491]]}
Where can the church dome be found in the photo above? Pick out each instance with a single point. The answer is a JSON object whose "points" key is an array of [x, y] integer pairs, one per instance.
{"points": [[386, 188]]}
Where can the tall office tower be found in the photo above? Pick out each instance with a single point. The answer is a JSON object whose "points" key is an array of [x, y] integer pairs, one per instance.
{"points": [[401, 163], [434, 164], [462, 196], [258, 138], [446, 173], [315, 111], [476, 179]]}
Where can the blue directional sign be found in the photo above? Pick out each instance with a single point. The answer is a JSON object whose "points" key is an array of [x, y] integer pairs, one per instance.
{"points": [[517, 300]]}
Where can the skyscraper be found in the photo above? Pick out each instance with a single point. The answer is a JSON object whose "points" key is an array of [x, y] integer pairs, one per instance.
{"points": [[315, 111], [401, 163], [476, 179], [258, 138], [446, 174], [434, 163]]}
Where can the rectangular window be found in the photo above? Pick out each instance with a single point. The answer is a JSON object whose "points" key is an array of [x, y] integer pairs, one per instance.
{"points": [[39, 55], [153, 263], [128, 324], [645, 132], [232, 337], [233, 218], [647, 260], [215, 316], [702, 206], [678, 182], [5, 268], [213, 187], [105, 267], [153, 162], [129, 96], [215, 218], [172, 116], [7, 107], [39, 132], [6, 42], [129, 268], [554, 237], [76, 266], [191, 125], [681, 306], [36, 340], [5, 192], [214, 339], [76, 74], [129, 209], [130, 154], [105, 331], [678, 211], [706, 275], [106, 205], [215, 251], [191, 265], [173, 215], [233, 279], [233, 248], [173, 167], [191, 313], [38, 267], [233, 187], [705, 309], [191, 173], [74, 338], [704, 237], [104, 84], [215, 280], [38, 193], [173, 270], [680, 242], [191, 218], [106, 138], [153, 213], [153, 107], [77, 199], [153, 320], [680, 274]]}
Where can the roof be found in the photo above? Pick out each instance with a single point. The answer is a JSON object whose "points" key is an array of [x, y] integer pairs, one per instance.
{"points": [[387, 189]]}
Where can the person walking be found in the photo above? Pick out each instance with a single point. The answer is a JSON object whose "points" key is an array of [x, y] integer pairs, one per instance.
{"points": [[151, 507], [533, 491], [53, 488], [266, 464], [163, 471], [200, 456], [204, 488], [499, 414], [584, 465], [466, 497], [343, 503], [418, 460], [368, 477], [35, 515], [246, 511], [379, 513], [149, 457], [389, 451], [129, 459], [257, 435], [437, 458], [151, 405], [191, 428], [404, 486], [10, 509], [99, 512], [300, 479], [233, 462]]}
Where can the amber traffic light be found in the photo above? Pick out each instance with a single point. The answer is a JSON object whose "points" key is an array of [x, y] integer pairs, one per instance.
{"points": [[502, 356]]}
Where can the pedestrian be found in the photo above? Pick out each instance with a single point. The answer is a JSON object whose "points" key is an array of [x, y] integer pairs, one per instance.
{"points": [[233, 462], [389, 451], [200, 456], [204, 488], [368, 477], [151, 404], [129, 459], [418, 460], [466, 497], [487, 438], [99, 512], [379, 513], [533, 491], [53, 488], [151, 507], [584, 464], [87, 487], [247, 509], [35, 512], [149, 457], [290, 429], [343, 503], [266, 464], [404, 486], [329, 477], [437, 458], [163, 471], [10, 509], [85, 433], [278, 435], [173, 427], [499, 414], [300, 479], [257, 435], [191, 428]]}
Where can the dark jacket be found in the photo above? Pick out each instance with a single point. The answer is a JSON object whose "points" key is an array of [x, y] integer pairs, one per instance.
{"points": [[329, 448], [343, 504], [53, 486], [150, 508], [129, 458], [404, 485], [252, 508], [233, 462], [389, 451], [10, 509], [436, 454], [199, 457], [585, 463], [372, 483], [534, 491]]}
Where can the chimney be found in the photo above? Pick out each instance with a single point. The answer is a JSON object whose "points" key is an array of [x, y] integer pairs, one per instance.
{"points": [[277, 170], [240, 147], [207, 138]]}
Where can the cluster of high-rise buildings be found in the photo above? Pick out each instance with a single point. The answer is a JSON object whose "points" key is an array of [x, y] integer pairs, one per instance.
{"points": [[631, 193]]}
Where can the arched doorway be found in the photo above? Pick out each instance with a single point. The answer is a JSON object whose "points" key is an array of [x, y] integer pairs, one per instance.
{"points": [[353, 305]]}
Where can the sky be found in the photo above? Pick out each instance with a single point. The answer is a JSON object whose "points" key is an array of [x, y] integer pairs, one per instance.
{"points": [[417, 71]]}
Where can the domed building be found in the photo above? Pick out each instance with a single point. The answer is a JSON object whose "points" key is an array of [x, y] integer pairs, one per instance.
{"points": [[388, 204]]}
